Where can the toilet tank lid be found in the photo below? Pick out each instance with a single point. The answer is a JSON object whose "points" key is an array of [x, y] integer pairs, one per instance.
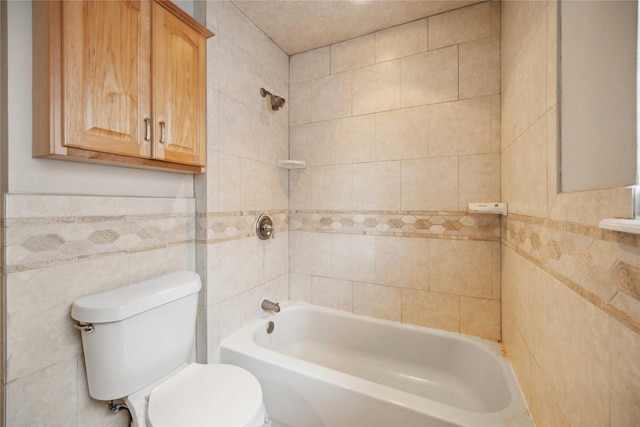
{"points": [[121, 303]]}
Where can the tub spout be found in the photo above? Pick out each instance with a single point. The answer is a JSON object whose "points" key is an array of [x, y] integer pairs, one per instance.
{"points": [[268, 305]]}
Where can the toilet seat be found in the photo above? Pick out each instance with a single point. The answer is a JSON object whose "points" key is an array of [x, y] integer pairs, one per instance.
{"points": [[207, 395]]}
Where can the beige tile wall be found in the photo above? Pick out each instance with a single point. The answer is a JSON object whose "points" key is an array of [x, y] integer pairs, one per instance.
{"points": [[2, 298], [245, 137], [570, 310], [58, 249], [400, 130]]}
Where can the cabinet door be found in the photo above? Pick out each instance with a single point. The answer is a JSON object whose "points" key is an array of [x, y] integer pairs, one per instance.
{"points": [[179, 89], [105, 68]]}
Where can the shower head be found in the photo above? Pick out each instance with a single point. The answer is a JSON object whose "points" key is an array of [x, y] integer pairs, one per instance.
{"points": [[276, 102]]}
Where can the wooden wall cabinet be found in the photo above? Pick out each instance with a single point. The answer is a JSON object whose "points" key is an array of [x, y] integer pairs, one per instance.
{"points": [[120, 82]]}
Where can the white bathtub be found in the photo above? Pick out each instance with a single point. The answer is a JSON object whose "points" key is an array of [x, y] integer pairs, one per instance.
{"points": [[324, 367]]}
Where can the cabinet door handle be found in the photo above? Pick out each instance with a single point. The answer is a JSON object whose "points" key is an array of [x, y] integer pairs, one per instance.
{"points": [[147, 122], [162, 135]]}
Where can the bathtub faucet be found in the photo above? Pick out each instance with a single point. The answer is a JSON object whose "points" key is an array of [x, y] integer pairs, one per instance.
{"points": [[268, 305]]}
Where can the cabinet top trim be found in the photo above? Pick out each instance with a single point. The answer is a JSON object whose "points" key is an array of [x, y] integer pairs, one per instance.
{"points": [[184, 16]]}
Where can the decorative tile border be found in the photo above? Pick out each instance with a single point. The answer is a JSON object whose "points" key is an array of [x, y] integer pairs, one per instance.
{"points": [[215, 227], [438, 225], [40, 234], [601, 266]]}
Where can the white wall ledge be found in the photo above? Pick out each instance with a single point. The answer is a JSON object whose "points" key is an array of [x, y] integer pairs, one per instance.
{"points": [[623, 225]]}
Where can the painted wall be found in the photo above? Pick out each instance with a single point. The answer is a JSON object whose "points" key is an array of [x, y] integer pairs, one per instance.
{"points": [[400, 130], [570, 300], [37, 176]]}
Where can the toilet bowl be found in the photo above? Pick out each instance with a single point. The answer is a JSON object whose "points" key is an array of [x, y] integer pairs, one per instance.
{"points": [[138, 343]]}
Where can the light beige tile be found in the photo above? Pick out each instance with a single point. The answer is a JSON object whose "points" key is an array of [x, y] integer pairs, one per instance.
{"points": [[430, 184], [353, 257], [459, 26], [576, 340], [332, 293], [236, 77], [376, 88], [300, 287], [53, 206], [628, 304], [310, 253], [382, 302], [552, 54], [625, 376], [238, 129], [461, 267], [496, 255], [553, 185], [353, 139], [431, 309], [495, 124], [523, 180], [237, 27], [479, 179], [331, 97], [608, 203], [460, 127], [402, 40], [402, 134], [27, 404], [402, 262], [480, 317], [153, 263], [430, 77], [480, 68], [300, 188], [273, 257], [311, 142], [244, 308], [331, 187], [300, 103], [376, 186], [310, 65], [544, 406], [229, 269], [517, 353], [207, 186], [230, 192], [39, 329], [354, 53], [524, 79], [252, 184]]}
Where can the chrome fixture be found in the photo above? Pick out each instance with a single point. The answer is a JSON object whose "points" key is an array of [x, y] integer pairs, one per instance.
{"points": [[269, 305], [264, 227], [276, 102], [270, 327], [84, 327]]}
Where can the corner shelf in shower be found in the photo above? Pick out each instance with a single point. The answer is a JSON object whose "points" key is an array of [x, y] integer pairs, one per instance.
{"points": [[292, 164]]}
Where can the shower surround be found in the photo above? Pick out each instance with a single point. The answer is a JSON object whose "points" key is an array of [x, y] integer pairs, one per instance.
{"points": [[400, 130]]}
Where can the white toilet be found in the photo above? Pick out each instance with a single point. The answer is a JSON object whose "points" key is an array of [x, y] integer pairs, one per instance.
{"points": [[138, 343]]}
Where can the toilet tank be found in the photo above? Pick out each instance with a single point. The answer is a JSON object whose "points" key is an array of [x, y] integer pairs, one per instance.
{"points": [[141, 332]]}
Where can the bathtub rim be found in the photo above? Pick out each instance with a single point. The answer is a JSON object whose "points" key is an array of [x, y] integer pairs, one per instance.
{"points": [[243, 342]]}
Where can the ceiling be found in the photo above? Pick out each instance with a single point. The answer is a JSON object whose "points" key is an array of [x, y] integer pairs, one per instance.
{"points": [[301, 25]]}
